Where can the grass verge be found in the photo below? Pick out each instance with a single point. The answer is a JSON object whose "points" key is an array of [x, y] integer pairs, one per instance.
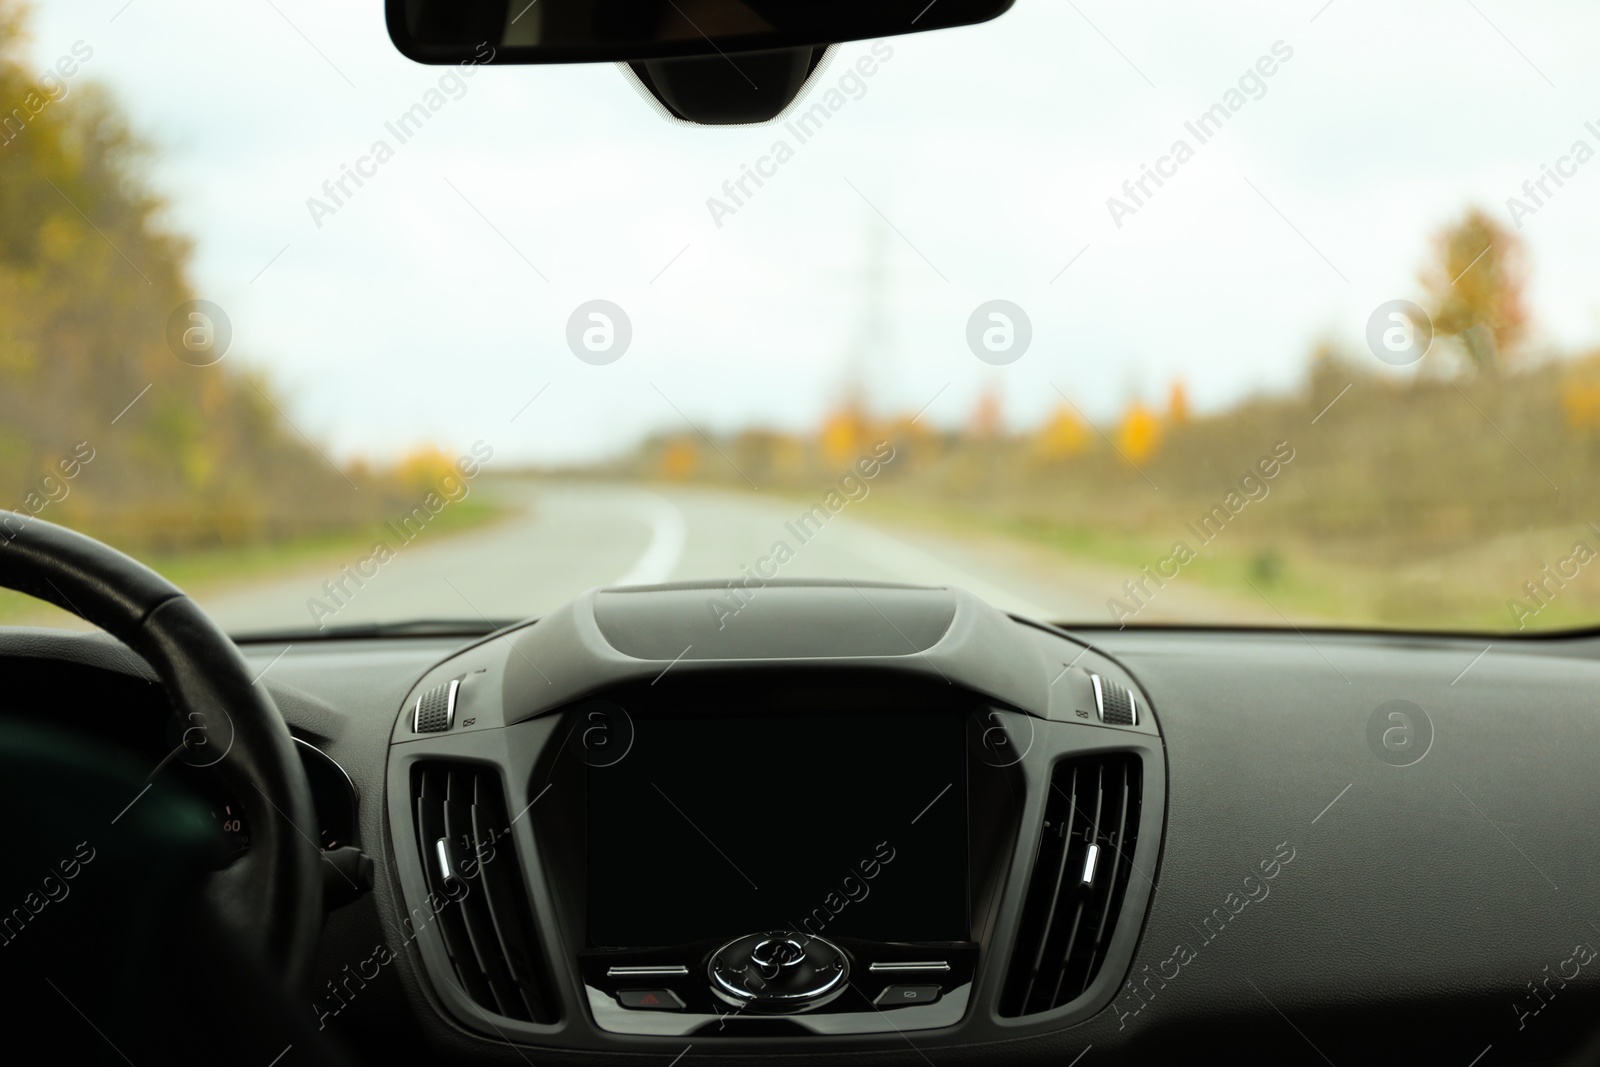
{"points": [[204, 570], [1465, 589]]}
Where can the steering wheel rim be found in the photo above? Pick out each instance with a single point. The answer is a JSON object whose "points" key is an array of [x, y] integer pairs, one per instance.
{"points": [[271, 897]]}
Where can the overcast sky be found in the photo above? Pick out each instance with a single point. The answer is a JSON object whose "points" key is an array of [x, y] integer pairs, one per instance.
{"points": [[990, 151]]}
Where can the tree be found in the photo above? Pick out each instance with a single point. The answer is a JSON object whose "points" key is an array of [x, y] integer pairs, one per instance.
{"points": [[1177, 404], [1139, 433], [1063, 436], [1475, 284], [90, 276]]}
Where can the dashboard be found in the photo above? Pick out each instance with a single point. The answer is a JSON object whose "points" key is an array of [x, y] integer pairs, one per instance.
{"points": [[801, 824], [893, 825], [114, 698]]}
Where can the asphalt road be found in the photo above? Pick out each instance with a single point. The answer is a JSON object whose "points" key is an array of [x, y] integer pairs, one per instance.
{"points": [[571, 537]]}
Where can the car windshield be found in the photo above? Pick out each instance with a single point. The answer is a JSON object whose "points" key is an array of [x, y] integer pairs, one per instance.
{"points": [[1252, 314]]}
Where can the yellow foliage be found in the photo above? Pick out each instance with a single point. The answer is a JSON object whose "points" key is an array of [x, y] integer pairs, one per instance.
{"points": [[1139, 435], [1063, 436], [1581, 401], [1477, 288], [679, 460], [424, 468], [844, 436]]}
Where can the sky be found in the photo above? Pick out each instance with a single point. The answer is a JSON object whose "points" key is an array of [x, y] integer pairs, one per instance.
{"points": [[433, 304]]}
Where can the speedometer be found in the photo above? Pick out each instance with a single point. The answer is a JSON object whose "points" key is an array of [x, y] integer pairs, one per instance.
{"points": [[333, 797], [233, 829]]}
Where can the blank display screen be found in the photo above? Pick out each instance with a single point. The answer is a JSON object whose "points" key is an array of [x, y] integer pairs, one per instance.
{"points": [[715, 827]]}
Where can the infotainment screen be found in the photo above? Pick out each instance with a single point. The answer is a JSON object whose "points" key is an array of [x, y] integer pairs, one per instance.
{"points": [[836, 825]]}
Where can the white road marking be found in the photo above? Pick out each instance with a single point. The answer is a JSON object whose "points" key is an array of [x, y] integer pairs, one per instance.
{"points": [[668, 533]]}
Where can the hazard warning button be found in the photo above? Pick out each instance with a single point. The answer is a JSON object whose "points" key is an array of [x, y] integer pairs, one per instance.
{"points": [[650, 999]]}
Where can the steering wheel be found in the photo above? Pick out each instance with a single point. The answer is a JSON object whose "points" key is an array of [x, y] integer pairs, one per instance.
{"points": [[271, 897]]}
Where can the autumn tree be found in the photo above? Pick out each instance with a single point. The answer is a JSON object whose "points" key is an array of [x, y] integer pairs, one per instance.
{"points": [[1062, 436], [843, 435], [90, 277], [1177, 404], [1139, 433], [1474, 284]]}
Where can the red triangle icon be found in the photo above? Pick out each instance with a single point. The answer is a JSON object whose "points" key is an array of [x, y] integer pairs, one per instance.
{"points": [[649, 998]]}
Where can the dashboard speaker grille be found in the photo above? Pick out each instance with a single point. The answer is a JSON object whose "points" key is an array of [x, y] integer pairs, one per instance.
{"points": [[1080, 875], [463, 834]]}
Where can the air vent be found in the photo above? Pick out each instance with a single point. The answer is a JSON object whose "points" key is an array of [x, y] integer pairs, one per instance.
{"points": [[1114, 702], [436, 709], [1079, 877], [463, 834]]}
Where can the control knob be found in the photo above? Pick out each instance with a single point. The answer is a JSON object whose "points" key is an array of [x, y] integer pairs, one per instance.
{"points": [[778, 972]]}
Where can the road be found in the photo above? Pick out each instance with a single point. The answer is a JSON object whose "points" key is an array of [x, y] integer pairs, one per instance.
{"points": [[569, 537]]}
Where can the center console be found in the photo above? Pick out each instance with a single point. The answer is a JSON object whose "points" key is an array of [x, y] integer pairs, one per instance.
{"points": [[850, 813], [812, 866]]}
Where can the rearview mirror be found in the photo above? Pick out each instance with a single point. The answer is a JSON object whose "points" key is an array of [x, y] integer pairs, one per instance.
{"points": [[713, 62], [598, 31]]}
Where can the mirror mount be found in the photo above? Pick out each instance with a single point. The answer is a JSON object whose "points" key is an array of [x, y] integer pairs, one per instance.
{"points": [[729, 90]]}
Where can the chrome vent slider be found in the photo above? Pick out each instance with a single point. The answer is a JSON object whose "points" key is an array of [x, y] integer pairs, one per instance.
{"points": [[1113, 702], [435, 709]]}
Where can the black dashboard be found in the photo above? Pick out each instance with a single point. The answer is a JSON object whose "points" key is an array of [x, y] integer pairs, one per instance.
{"points": [[801, 824], [893, 825]]}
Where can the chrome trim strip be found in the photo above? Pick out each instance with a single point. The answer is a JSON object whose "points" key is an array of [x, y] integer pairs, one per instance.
{"points": [[946, 1011], [908, 966], [449, 709], [1090, 861], [648, 970], [1099, 698], [441, 855], [349, 784]]}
